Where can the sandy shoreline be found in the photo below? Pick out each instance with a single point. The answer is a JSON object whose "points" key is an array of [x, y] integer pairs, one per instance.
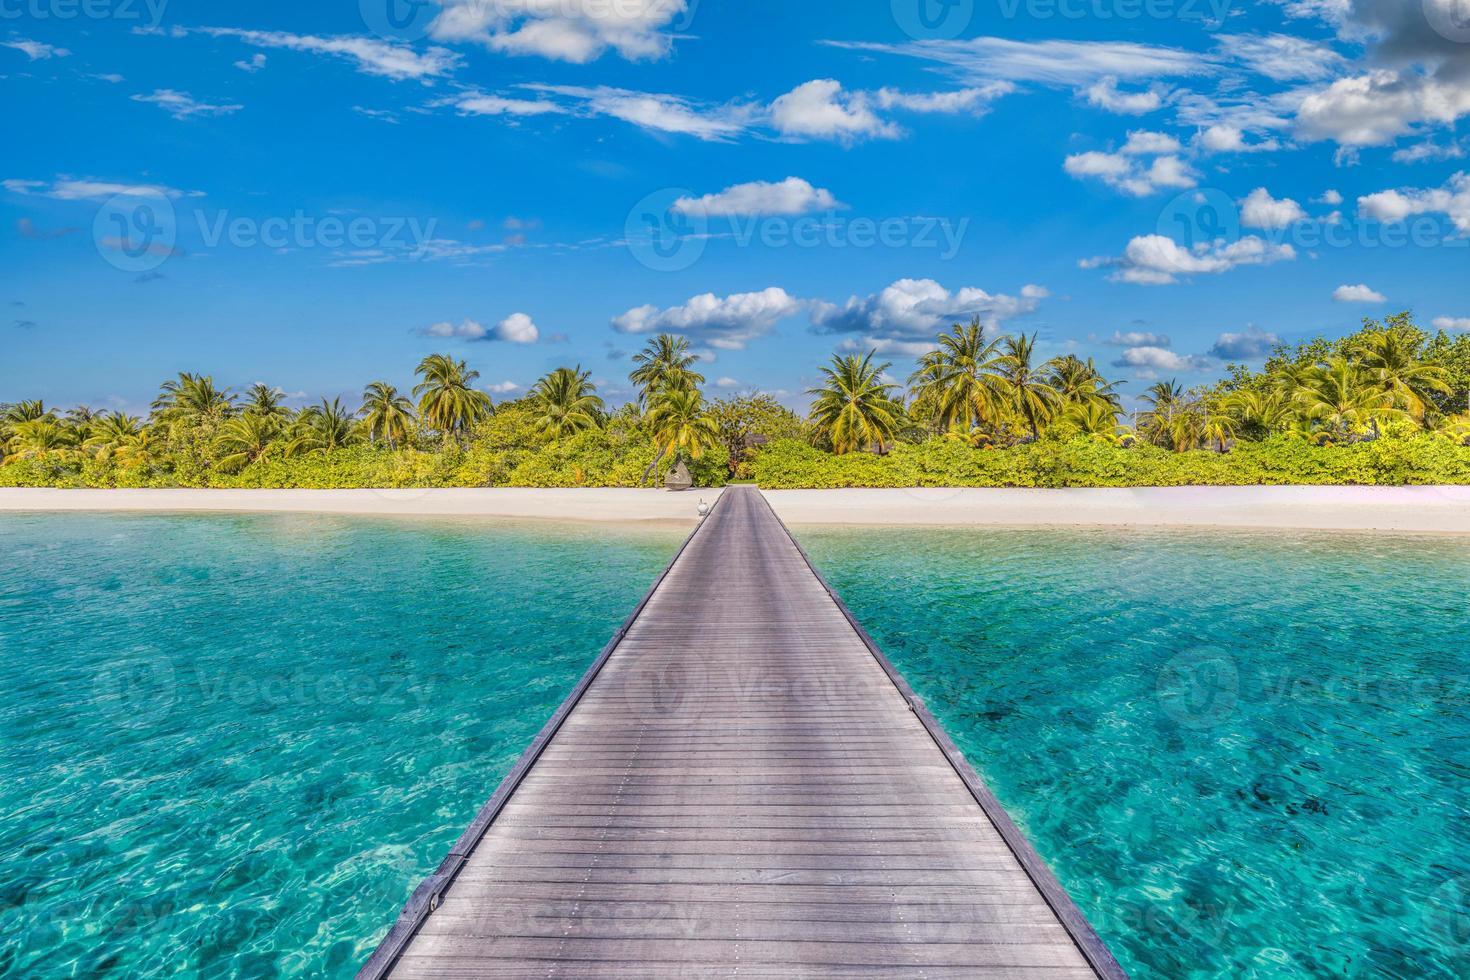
{"points": [[1416, 509]]}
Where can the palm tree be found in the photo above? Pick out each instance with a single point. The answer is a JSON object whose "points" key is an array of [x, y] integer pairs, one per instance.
{"points": [[79, 420], [1261, 411], [1165, 399], [386, 414], [1077, 381], [26, 412], [246, 439], [1344, 398], [40, 439], [853, 407], [567, 401], [192, 399], [1390, 357], [264, 400], [1095, 417], [321, 428], [448, 400], [665, 364], [109, 433], [137, 450], [680, 424], [959, 378], [1031, 395]]}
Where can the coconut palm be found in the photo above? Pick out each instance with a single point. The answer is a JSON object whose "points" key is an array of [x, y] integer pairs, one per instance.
{"points": [[192, 399], [245, 439], [448, 401], [854, 407], [386, 414], [567, 402], [1095, 418], [25, 412], [265, 400], [1259, 411], [109, 432], [664, 364], [321, 428], [41, 439], [1077, 382], [1030, 393], [1165, 400], [959, 378], [1343, 398], [80, 420], [137, 450], [1390, 356], [680, 424]]}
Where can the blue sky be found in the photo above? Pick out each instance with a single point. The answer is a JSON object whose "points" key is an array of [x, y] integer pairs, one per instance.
{"points": [[318, 195]]}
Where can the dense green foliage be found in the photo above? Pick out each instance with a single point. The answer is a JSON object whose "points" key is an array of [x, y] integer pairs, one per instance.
{"points": [[1384, 405]]}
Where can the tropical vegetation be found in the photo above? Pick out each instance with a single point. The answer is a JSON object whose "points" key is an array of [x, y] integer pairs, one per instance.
{"points": [[1386, 404]]}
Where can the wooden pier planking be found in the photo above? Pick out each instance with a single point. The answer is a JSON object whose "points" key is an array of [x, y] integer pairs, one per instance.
{"points": [[741, 785]]}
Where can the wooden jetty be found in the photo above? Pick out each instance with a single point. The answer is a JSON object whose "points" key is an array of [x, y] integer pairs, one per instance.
{"points": [[741, 785]]}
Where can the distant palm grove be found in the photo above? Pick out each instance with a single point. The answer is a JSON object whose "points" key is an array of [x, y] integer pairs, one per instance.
{"points": [[1386, 404]]}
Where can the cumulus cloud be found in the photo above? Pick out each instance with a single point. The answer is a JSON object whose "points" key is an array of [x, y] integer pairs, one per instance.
{"points": [[182, 105], [371, 56], [577, 31], [906, 315], [1221, 138], [515, 329], [790, 196], [252, 66], [1252, 343], [1154, 260], [35, 50], [725, 323], [1151, 359], [821, 109], [1357, 294], [1451, 200], [1330, 197], [503, 387], [1377, 108], [1146, 163], [1452, 323], [1260, 210], [1105, 94]]}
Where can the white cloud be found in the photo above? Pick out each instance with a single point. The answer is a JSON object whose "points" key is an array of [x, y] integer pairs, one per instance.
{"points": [[503, 387], [975, 100], [1104, 94], [371, 56], [1452, 323], [1137, 338], [1260, 210], [1154, 260], [1330, 197], [73, 189], [1378, 107], [1452, 200], [1251, 344], [663, 113], [1055, 62], [478, 104], [727, 383], [820, 109], [1158, 359], [1357, 294], [1428, 150], [35, 50], [790, 196], [577, 31], [1282, 57], [516, 329], [252, 66], [1221, 138], [182, 105], [912, 311], [724, 323], [1127, 171]]}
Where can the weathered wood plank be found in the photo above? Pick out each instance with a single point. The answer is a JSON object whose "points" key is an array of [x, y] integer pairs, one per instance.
{"points": [[742, 785]]}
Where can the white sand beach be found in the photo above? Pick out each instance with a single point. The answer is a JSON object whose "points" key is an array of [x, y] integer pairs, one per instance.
{"points": [[1417, 509]]}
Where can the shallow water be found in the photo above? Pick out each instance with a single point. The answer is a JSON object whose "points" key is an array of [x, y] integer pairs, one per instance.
{"points": [[232, 744], [1244, 753]]}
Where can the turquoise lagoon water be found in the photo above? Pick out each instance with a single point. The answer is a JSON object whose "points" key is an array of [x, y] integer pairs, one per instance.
{"points": [[1244, 753], [232, 744]]}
